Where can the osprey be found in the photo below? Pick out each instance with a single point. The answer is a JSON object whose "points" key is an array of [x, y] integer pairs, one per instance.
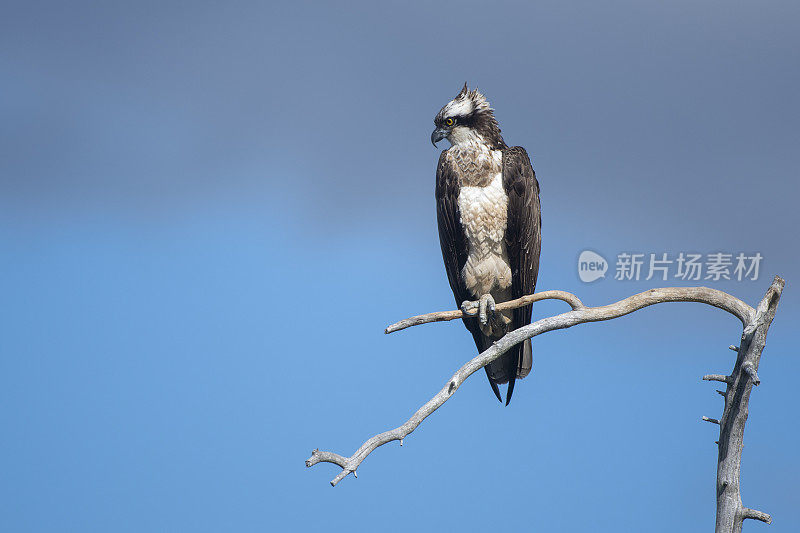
{"points": [[487, 207]]}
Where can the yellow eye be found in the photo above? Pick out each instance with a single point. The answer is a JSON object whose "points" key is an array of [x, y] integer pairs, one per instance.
{"points": [[449, 122]]}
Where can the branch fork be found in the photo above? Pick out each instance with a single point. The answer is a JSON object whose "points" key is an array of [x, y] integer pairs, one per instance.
{"points": [[755, 323]]}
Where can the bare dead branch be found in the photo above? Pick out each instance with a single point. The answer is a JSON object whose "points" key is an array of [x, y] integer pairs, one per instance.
{"points": [[719, 299], [730, 511], [578, 315], [756, 515], [443, 316]]}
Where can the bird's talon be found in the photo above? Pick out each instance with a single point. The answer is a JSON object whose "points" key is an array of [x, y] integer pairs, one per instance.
{"points": [[486, 307], [468, 307]]}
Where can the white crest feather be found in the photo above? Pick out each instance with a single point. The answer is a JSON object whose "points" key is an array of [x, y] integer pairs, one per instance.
{"points": [[466, 103]]}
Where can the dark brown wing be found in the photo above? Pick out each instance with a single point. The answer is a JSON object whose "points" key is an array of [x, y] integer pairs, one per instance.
{"points": [[523, 243], [455, 248]]}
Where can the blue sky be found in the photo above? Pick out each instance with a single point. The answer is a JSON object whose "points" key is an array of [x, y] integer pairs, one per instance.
{"points": [[209, 213]]}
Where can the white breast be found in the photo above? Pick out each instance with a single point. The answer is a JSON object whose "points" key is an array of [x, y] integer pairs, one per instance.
{"points": [[484, 215]]}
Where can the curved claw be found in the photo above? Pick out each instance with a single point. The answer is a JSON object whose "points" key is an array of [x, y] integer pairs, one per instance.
{"points": [[468, 307], [486, 306]]}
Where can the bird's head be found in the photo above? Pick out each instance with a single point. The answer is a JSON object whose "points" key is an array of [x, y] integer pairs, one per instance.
{"points": [[467, 118]]}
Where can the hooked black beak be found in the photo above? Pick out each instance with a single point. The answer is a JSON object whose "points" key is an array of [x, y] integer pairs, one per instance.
{"points": [[437, 135]]}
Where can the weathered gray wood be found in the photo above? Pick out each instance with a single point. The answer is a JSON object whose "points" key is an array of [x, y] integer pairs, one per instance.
{"points": [[730, 511], [443, 316], [756, 322], [668, 294]]}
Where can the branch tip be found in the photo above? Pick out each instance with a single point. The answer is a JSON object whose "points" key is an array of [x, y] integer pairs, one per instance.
{"points": [[717, 377], [734, 348], [340, 476], [756, 515], [712, 420]]}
